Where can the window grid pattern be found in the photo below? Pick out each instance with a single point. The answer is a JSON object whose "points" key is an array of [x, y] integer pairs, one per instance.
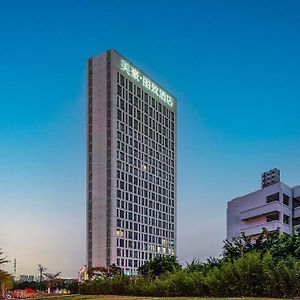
{"points": [[146, 172]]}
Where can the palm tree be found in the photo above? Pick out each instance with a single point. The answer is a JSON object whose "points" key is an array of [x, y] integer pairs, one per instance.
{"points": [[5, 278], [3, 260]]}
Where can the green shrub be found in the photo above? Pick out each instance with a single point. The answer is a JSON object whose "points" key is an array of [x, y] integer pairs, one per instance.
{"points": [[248, 270]]}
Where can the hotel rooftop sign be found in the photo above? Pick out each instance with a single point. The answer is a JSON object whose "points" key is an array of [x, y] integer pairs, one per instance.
{"points": [[152, 87]]}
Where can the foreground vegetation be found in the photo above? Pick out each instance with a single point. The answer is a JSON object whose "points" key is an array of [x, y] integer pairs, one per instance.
{"points": [[114, 297], [5, 278], [268, 267]]}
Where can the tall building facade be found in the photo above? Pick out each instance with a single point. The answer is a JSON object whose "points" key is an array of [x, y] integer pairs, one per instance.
{"points": [[275, 206], [131, 165]]}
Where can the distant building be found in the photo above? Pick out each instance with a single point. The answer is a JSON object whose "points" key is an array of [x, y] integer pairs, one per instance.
{"points": [[269, 178], [275, 206], [26, 278]]}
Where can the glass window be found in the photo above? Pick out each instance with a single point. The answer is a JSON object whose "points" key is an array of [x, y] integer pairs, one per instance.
{"points": [[286, 199], [286, 219], [273, 197]]}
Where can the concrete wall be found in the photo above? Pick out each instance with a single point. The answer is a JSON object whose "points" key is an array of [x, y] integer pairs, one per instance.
{"points": [[99, 219], [296, 191], [254, 204]]}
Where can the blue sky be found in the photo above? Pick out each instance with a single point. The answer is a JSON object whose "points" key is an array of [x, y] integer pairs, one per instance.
{"points": [[234, 67]]}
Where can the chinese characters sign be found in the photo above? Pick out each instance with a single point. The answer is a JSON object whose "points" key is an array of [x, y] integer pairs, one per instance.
{"points": [[146, 82]]}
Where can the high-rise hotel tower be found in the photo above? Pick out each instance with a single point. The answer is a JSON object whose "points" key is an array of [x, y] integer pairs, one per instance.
{"points": [[131, 165]]}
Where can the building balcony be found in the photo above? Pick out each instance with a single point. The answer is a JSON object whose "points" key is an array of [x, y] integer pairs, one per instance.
{"points": [[270, 226], [257, 229], [297, 212], [259, 211]]}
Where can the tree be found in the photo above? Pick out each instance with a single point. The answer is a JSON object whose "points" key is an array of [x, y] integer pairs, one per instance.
{"points": [[243, 244], [52, 279], [113, 271], [3, 260], [279, 244], [97, 272], [35, 285], [5, 278], [102, 272], [199, 266], [159, 265], [41, 270], [72, 286]]}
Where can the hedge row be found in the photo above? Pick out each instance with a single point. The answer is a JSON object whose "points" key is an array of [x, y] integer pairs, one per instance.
{"points": [[253, 274]]}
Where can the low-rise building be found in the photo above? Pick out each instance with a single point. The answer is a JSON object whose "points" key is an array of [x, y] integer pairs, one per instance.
{"points": [[26, 278], [274, 206]]}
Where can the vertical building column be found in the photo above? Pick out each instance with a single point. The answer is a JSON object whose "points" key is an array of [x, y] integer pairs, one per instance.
{"points": [[89, 186], [109, 162]]}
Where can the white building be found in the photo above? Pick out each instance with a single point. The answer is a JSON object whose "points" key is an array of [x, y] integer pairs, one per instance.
{"points": [[26, 278], [131, 165], [275, 206]]}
